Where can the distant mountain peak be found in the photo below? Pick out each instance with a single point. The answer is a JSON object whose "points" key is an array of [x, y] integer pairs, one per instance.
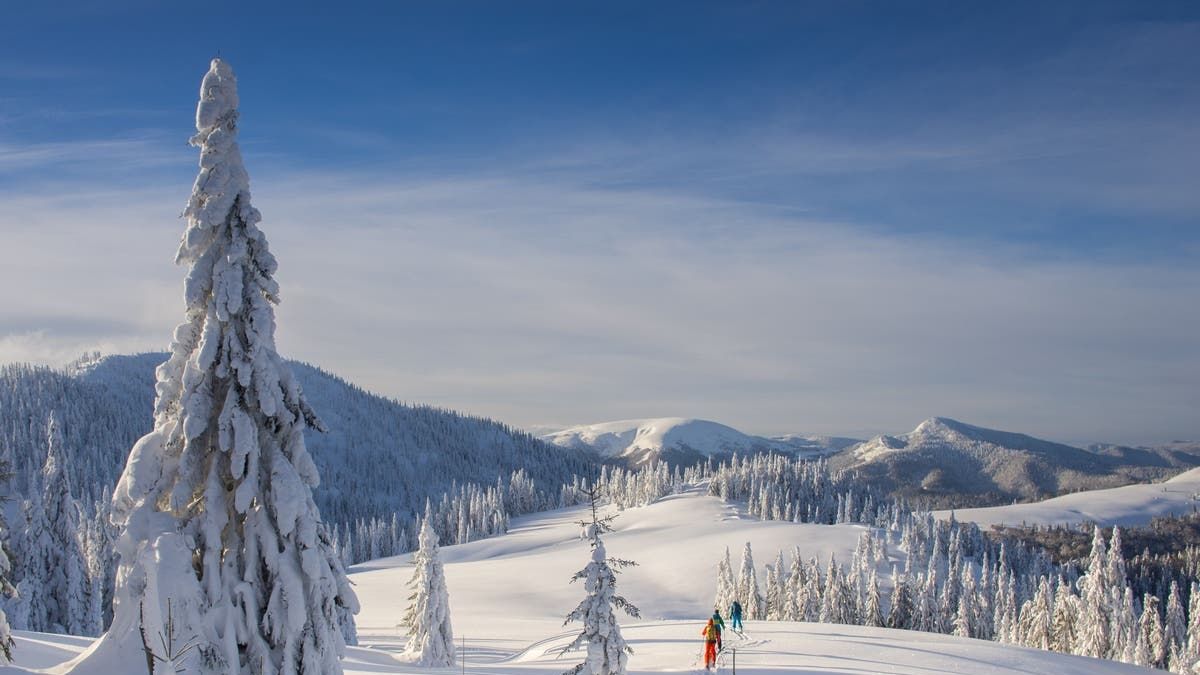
{"points": [[952, 461], [682, 439]]}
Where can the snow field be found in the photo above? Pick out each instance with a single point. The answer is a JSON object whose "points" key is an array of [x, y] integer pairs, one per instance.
{"points": [[522, 577], [1125, 506], [508, 596]]}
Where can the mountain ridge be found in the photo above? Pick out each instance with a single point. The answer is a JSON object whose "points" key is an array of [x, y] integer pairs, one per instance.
{"points": [[948, 463], [379, 456], [683, 440]]}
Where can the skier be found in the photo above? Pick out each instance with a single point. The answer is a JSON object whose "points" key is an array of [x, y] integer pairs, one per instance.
{"points": [[735, 615], [711, 634], [720, 624]]}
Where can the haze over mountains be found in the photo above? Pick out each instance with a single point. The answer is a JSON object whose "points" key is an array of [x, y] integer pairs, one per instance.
{"points": [[375, 445], [943, 462]]}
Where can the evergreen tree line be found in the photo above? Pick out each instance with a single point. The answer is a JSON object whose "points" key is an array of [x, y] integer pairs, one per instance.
{"points": [[1094, 614], [1165, 551], [470, 512], [377, 457], [463, 514], [775, 487], [957, 579]]}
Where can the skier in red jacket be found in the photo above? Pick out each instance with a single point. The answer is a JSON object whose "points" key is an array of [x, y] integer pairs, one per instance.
{"points": [[710, 634]]}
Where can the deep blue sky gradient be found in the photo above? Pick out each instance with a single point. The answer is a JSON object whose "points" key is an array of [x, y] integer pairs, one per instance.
{"points": [[965, 110]]}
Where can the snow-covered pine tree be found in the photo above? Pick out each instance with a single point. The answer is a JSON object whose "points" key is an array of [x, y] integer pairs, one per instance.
{"points": [[775, 595], [808, 603], [1174, 623], [67, 580], [793, 587], [726, 586], [1191, 651], [753, 604], [32, 610], [1095, 631], [1037, 615], [986, 597], [1065, 620], [7, 590], [925, 604], [1114, 568], [1125, 628], [101, 561], [901, 612], [966, 615], [1151, 627], [216, 501], [430, 637], [607, 652], [872, 614], [837, 602], [1148, 645]]}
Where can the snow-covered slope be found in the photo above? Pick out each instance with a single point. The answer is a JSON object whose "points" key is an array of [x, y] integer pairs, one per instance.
{"points": [[680, 439], [379, 456], [950, 463], [1126, 506], [672, 647], [508, 595]]}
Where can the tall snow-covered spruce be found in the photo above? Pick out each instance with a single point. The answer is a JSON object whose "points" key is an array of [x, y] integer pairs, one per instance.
{"points": [[216, 501], [431, 639]]}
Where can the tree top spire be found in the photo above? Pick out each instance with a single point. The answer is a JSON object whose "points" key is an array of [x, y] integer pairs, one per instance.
{"points": [[218, 95]]}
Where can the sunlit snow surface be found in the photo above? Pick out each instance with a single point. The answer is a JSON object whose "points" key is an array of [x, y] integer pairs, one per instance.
{"points": [[1125, 506], [508, 595]]}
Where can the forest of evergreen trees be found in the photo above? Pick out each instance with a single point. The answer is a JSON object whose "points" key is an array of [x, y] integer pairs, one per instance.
{"points": [[380, 462], [1128, 595], [1107, 601]]}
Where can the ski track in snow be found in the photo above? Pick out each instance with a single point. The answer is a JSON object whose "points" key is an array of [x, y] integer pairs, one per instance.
{"points": [[508, 596]]}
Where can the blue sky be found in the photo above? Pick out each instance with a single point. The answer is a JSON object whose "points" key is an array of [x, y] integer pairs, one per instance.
{"points": [[834, 217]]}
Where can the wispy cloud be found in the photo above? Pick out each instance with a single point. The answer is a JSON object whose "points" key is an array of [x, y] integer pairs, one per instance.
{"points": [[538, 298], [129, 154]]}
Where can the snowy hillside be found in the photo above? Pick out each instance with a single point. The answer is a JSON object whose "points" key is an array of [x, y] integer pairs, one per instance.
{"points": [[378, 457], [509, 593], [949, 463], [683, 440], [1128, 505]]}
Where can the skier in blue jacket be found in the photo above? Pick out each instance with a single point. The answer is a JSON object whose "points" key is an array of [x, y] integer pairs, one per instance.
{"points": [[735, 615]]}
